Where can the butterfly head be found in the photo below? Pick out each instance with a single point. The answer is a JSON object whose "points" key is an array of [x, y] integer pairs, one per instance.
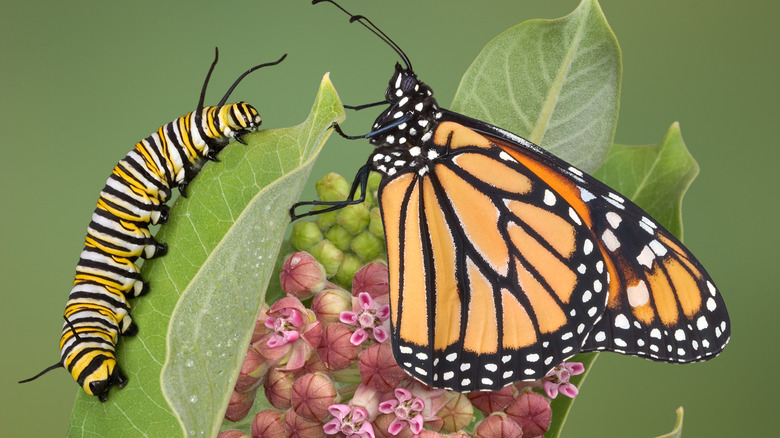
{"points": [[411, 117]]}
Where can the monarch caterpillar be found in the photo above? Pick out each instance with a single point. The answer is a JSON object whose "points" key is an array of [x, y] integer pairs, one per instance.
{"points": [[505, 260], [134, 197]]}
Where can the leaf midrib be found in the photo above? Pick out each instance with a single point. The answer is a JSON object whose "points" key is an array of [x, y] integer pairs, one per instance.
{"points": [[555, 89]]}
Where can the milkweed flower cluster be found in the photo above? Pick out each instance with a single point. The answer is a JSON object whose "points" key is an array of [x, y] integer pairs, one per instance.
{"points": [[321, 356], [345, 239]]}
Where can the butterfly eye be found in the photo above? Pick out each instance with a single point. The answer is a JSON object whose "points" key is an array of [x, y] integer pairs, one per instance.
{"points": [[407, 83]]}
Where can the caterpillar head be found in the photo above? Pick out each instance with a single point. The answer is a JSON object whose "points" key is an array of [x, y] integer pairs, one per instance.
{"points": [[104, 373], [237, 119]]}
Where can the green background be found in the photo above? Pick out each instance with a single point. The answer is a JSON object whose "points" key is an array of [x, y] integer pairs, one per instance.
{"points": [[81, 82]]}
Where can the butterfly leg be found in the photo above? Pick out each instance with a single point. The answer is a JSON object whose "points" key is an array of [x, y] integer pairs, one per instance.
{"points": [[361, 180], [367, 105]]}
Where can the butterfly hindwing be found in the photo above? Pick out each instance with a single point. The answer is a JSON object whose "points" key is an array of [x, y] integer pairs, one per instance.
{"points": [[529, 282], [662, 304]]}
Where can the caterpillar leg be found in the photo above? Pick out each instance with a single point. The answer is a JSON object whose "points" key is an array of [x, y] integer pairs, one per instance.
{"points": [[161, 215], [129, 328], [154, 249]]}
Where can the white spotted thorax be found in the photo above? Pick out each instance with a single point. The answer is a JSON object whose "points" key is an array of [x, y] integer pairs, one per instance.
{"points": [[401, 146]]}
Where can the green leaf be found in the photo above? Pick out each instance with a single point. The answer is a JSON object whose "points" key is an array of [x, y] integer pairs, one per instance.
{"points": [[655, 177], [554, 82], [196, 323], [677, 431]]}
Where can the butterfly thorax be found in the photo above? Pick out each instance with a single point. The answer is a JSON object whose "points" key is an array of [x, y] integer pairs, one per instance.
{"points": [[403, 130]]}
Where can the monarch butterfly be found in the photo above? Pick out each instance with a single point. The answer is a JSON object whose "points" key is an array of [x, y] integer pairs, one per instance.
{"points": [[505, 260], [134, 197]]}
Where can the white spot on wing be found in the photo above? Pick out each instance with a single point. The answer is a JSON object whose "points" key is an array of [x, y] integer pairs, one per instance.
{"points": [[549, 198], [574, 216], [638, 295], [614, 219], [610, 240], [585, 195], [658, 248], [646, 257], [506, 157]]}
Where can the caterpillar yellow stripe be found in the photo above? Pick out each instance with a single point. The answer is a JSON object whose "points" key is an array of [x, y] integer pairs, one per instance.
{"points": [[134, 198]]}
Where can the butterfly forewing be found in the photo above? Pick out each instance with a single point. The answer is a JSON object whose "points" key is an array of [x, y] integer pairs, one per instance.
{"points": [[528, 282]]}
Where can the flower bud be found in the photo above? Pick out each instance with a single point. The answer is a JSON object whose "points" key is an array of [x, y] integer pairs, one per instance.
{"points": [[382, 427], [233, 434], [312, 394], [492, 401], [457, 413], [372, 278], [278, 388], [299, 427], [268, 424], [252, 371], [367, 246], [367, 399], [302, 275], [335, 348], [239, 405], [349, 265], [532, 412], [379, 369], [353, 218], [305, 234], [332, 187], [327, 254], [328, 305], [339, 236], [374, 178], [497, 425], [326, 220], [375, 226]]}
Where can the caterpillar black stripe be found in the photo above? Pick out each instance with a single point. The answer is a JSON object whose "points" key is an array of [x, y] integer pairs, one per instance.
{"points": [[134, 197]]}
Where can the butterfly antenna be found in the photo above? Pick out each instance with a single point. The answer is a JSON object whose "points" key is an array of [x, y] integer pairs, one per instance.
{"points": [[53, 367], [235, 84], [206, 82], [368, 24]]}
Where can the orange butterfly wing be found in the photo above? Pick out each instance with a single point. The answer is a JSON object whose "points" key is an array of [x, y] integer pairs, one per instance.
{"points": [[505, 261]]}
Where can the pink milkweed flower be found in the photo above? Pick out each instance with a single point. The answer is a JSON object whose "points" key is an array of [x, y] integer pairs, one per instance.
{"points": [[407, 410], [557, 380], [295, 334], [370, 317], [349, 420]]}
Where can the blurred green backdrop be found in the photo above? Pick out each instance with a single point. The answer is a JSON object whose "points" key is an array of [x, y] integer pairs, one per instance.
{"points": [[81, 82]]}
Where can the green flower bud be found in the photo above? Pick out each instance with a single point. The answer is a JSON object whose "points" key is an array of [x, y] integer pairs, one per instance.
{"points": [[374, 178], [375, 223], [367, 246], [326, 253], [340, 237], [349, 265], [327, 220], [354, 218], [332, 187], [305, 234]]}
